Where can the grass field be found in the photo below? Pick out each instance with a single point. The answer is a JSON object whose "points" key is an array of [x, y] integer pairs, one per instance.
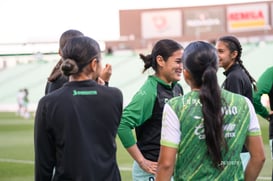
{"points": [[17, 152]]}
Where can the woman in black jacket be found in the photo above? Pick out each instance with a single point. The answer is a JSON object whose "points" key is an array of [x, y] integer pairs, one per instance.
{"points": [[76, 125]]}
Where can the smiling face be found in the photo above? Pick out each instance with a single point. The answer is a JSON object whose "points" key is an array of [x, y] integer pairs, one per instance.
{"points": [[170, 70], [226, 57]]}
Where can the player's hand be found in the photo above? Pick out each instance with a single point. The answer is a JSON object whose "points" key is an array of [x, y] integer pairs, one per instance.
{"points": [[148, 166], [100, 81], [106, 73]]}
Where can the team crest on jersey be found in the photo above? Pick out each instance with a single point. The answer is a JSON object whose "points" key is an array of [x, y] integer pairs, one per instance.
{"points": [[229, 130]]}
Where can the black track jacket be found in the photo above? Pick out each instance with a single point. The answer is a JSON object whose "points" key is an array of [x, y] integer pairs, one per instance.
{"points": [[75, 130]]}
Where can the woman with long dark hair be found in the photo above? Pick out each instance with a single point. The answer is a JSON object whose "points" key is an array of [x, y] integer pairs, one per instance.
{"points": [[203, 132], [238, 78], [144, 112]]}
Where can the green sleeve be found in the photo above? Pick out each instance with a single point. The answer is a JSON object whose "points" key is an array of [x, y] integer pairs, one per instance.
{"points": [[264, 84], [136, 113]]}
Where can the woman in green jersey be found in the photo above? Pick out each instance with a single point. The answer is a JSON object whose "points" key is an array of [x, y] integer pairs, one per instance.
{"points": [[144, 112], [238, 79], [265, 87], [203, 132]]}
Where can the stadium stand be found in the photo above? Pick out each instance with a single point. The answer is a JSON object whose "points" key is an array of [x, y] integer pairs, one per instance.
{"points": [[127, 74]]}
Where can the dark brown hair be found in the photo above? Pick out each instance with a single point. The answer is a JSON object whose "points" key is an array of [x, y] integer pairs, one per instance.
{"points": [[234, 45], [164, 48], [201, 60]]}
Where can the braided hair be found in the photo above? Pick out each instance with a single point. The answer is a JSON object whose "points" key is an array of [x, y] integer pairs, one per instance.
{"points": [[234, 45]]}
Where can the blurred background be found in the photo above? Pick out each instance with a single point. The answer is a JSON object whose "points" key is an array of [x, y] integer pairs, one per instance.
{"points": [[30, 32], [29, 37]]}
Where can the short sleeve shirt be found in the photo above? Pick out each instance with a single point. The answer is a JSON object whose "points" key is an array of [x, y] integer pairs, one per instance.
{"points": [[182, 128]]}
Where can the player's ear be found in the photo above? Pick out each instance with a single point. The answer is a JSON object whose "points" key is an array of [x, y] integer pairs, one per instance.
{"points": [[94, 64], [234, 54], [160, 61]]}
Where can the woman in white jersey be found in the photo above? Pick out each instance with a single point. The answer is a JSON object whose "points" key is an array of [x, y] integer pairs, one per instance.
{"points": [[203, 132]]}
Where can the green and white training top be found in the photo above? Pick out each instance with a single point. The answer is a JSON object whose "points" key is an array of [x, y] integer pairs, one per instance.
{"points": [[182, 128]]}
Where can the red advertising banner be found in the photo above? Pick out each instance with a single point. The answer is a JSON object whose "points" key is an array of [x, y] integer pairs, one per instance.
{"points": [[247, 17]]}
